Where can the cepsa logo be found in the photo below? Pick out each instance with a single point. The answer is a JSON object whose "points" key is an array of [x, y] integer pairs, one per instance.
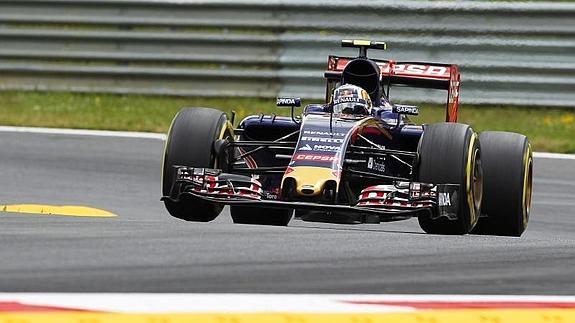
{"points": [[314, 157]]}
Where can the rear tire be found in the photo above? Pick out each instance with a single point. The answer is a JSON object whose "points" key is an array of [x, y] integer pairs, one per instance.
{"points": [[190, 143], [508, 181], [449, 153], [262, 216]]}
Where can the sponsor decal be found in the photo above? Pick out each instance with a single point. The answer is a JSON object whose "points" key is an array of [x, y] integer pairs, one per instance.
{"points": [[453, 90], [406, 109], [326, 148], [322, 139], [314, 157], [305, 147], [270, 196], [417, 69], [323, 133], [444, 199], [288, 102], [376, 165], [422, 69], [308, 147], [347, 99]]}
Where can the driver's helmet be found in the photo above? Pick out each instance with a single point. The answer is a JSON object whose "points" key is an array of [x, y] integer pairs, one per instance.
{"points": [[352, 100]]}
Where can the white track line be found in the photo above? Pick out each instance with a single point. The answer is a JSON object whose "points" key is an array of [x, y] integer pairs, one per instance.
{"points": [[161, 136], [83, 132], [553, 156]]}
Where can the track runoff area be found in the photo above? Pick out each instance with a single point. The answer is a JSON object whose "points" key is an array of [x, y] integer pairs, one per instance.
{"points": [[281, 308]]}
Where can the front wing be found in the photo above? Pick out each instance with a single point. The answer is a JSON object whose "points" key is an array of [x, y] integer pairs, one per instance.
{"points": [[389, 202]]}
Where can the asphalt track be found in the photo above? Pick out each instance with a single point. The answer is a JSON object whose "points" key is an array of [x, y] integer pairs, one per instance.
{"points": [[143, 249]]}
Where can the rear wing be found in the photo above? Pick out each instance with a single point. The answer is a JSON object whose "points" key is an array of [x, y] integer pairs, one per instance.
{"points": [[413, 74]]}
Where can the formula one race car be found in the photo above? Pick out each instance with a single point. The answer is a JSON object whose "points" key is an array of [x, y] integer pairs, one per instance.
{"points": [[355, 159]]}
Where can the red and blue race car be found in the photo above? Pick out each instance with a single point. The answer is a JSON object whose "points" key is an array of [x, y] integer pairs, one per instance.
{"points": [[356, 158]]}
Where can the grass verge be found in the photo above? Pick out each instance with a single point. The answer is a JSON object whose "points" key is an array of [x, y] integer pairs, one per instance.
{"points": [[551, 130]]}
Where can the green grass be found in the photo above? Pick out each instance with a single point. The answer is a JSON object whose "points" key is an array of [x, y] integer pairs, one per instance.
{"points": [[548, 129]]}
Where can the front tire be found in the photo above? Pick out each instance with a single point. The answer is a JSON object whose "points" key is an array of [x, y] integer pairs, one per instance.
{"points": [[508, 182], [190, 143], [449, 153]]}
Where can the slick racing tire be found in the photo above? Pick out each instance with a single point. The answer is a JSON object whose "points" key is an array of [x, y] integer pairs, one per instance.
{"points": [[507, 182], [190, 143], [262, 216], [449, 153]]}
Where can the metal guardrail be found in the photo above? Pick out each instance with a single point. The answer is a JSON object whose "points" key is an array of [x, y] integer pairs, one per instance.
{"points": [[509, 53]]}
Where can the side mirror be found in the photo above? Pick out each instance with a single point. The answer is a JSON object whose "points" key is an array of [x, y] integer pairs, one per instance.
{"points": [[411, 110], [288, 102]]}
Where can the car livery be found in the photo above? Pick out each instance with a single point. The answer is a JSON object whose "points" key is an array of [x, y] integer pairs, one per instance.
{"points": [[338, 168]]}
